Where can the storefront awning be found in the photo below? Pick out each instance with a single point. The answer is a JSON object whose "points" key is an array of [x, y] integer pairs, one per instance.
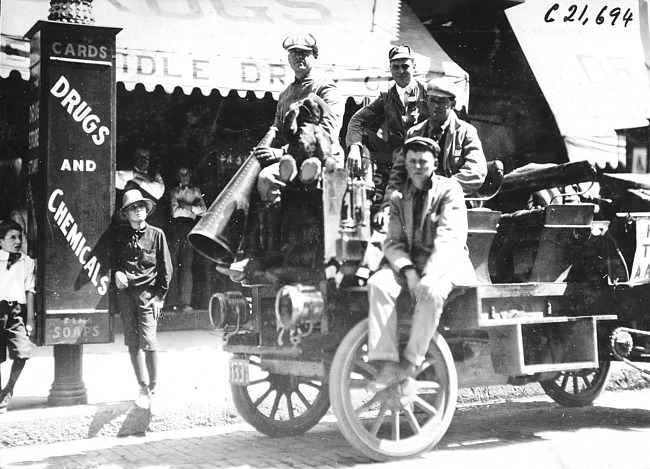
{"points": [[236, 44], [592, 73]]}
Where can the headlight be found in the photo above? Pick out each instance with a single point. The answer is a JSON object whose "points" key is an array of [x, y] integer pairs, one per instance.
{"points": [[230, 312], [298, 305]]}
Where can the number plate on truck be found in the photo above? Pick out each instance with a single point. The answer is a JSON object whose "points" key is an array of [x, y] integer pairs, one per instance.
{"points": [[239, 372]]}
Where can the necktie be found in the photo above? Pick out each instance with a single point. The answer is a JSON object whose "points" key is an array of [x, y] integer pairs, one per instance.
{"points": [[13, 258], [418, 207], [435, 133]]}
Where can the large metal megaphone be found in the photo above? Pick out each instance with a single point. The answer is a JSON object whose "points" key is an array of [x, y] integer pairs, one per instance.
{"points": [[218, 234]]}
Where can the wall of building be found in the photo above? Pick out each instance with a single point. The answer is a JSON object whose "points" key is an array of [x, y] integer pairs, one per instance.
{"points": [[506, 104]]}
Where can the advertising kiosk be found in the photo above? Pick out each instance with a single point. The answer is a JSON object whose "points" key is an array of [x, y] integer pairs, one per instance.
{"points": [[72, 167]]}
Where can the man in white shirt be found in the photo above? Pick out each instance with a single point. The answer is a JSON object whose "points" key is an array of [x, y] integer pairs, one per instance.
{"points": [[186, 203], [144, 178], [392, 114]]}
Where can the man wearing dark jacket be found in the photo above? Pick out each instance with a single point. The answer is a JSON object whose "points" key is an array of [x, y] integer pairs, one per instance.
{"points": [[461, 152], [394, 112]]}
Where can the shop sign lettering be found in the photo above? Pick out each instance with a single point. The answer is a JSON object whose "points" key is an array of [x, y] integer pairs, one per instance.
{"points": [[79, 51], [73, 328], [34, 138], [78, 165], [76, 240], [641, 265], [80, 110], [298, 12]]}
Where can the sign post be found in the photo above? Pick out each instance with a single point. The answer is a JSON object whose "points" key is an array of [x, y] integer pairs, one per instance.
{"points": [[72, 165]]}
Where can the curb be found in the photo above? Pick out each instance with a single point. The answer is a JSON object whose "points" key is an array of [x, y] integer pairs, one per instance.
{"points": [[39, 424]]}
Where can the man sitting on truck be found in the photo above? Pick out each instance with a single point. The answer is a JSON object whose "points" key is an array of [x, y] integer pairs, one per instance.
{"points": [[426, 253], [461, 152], [302, 51]]}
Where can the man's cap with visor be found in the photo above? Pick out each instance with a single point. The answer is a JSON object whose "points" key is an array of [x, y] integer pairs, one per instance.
{"points": [[301, 42], [400, 52], [441, 87], [421, 143], [183, 171], [134, 196]]}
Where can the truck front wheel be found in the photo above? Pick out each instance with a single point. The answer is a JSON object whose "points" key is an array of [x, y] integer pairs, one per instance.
{"points": [[403, 420], [280, 405]]}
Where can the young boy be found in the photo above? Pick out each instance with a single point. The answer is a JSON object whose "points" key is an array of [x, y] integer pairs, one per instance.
{"points": [[17, 282], [143, 269]]}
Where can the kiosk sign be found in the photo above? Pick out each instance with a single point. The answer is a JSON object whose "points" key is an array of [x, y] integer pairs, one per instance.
{"points": [[72, 139]]}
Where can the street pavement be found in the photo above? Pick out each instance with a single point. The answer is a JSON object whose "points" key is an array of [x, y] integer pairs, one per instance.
{"points": [[198, 425], [531, 433]]}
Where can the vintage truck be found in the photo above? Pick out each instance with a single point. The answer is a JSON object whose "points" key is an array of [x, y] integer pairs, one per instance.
{"points": [[560, 294]]}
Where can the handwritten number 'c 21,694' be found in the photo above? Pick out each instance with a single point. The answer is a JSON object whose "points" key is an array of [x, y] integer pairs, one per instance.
{"points": [[605, 15]]}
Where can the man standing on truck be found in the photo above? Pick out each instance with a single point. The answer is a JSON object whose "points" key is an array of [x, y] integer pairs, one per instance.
{"points": [[302, 52], [426, 252], [394, 112]]}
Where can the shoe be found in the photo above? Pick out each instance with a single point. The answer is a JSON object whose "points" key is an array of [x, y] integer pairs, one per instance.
{"points": [[186, 309], [4, 401], [142, 401], [287, 170], [153, 403], [310, 170], [391, 373]]}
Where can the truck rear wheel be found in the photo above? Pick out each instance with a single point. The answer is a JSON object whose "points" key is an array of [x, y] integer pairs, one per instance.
{"points": [[393, 423], [578, 388], [280, 405]]}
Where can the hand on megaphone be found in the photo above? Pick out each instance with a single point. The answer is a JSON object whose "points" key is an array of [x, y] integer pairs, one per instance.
{"points": [[121, 280]]}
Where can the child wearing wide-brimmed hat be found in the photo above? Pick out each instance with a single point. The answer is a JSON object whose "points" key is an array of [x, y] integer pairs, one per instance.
{"points": [[142, 270]]}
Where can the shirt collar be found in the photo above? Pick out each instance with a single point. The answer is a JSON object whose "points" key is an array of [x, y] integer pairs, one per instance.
{"points": [[4, 255], [444, 126], [309, 76], [406, 91]]}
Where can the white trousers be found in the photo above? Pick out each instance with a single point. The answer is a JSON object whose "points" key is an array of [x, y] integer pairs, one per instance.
{"points": [[383, 291]]}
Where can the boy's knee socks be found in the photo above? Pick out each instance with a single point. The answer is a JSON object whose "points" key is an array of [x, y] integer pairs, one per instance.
{"points": [[138, 365], [151, 358]]}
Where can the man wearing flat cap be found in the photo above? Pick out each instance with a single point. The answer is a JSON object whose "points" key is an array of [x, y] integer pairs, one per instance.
{"points": [[426, 254], [394, 112], [461, 152], [302, 52]]}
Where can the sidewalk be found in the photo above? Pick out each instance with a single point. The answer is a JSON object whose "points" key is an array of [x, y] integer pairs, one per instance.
{"points": [[192, 392]]}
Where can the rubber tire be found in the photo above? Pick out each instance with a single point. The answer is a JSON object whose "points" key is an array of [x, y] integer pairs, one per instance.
{"points": [[275, 428], [354, 430], [584, 397]]}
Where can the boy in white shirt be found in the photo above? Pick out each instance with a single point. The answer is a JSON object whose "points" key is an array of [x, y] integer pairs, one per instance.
{"points": [[17, 288]]}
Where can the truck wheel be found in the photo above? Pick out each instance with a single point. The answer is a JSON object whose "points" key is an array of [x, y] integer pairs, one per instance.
{"points": [[280, 405], [578, 388], [401, 421]]}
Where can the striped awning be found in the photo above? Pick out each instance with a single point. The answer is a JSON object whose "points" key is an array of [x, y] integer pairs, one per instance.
{"points": [[236, 44]]}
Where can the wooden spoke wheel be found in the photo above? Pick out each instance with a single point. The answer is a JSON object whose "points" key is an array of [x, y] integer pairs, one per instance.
{"points": [[403, 420], [280, 405], [578, 388]]}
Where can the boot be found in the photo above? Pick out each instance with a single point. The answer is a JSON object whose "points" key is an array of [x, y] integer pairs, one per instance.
{"points": [[249, 247]]}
